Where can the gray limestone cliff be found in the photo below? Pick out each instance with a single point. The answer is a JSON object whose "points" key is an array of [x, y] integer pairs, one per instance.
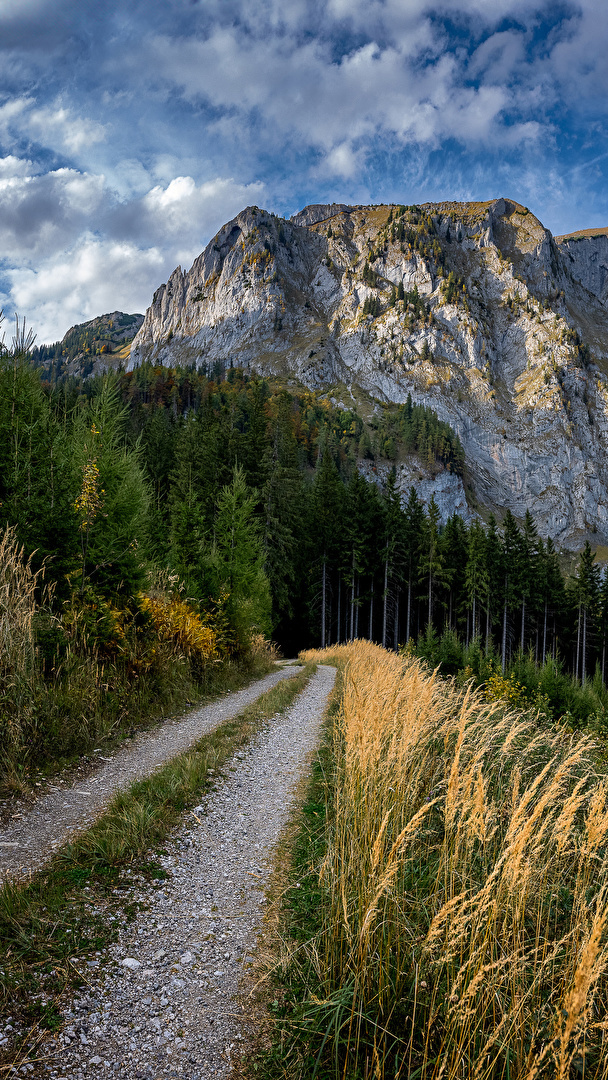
{"points": [[586, 256], [472, 308]]}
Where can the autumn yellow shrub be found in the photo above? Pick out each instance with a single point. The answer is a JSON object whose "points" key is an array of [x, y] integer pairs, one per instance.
{"points": [[507, 688], [177, 622]]}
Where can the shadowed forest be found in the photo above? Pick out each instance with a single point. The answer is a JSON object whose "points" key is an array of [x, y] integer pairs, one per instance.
{"points": [[159, 524]]}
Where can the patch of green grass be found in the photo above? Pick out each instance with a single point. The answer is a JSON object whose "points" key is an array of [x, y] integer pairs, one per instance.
{"points": [[62, 915], [297, 1043]]}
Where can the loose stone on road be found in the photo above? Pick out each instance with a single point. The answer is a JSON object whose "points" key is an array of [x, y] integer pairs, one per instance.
{"points": [[163, 1004], [26, 845]]}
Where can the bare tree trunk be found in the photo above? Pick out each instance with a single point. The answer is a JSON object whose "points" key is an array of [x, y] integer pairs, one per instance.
{"points": [[584, 643], [397, 596], [504, 631], [339, 638], [371, 614], [487, 623], [430, 598], [323, 607], [385, 605], [578, 642], [352, 600], [357, 611], [523, 623], [544, 635], [409, 608]]}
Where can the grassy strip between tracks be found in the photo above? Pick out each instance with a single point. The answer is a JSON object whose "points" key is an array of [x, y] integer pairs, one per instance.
{"points": [[62, 915]]}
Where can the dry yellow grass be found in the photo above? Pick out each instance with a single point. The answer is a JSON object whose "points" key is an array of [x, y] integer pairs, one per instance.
{"points": [[466, 883], [19, 584]]}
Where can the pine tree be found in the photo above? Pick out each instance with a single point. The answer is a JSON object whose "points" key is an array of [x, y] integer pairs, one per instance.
{"points": [[191, 509], [236, 561], [112, 563], [454, 558], [358, 521], [510, 569], [431, 562], [587, 592], [603, 618], [283, 503], [476, 575], [494, 575], [529, 570], [552, 593], [327, 501], [39, 479], [158, 440], [413, 525]]}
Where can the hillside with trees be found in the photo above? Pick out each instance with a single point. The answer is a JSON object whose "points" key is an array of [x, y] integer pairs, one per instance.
{"points": [[163, 521]]}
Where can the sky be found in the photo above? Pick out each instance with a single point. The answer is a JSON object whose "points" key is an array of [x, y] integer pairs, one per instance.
{"points": [[131, 131]]}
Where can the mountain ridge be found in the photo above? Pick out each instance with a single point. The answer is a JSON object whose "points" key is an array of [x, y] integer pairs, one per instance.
{"points": [[473, 308]]}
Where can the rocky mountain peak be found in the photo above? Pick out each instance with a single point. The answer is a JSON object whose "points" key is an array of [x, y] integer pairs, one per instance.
{"points": [[472, 308]]}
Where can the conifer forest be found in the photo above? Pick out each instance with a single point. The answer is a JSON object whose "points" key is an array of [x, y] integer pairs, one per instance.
{"points": [[164, 521]]}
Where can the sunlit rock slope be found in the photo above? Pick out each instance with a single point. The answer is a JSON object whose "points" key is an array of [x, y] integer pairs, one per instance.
{"points": [[473, 308]]}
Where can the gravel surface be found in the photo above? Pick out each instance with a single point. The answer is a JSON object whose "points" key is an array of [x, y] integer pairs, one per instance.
{"points": [[30, 841], [161, 1002]]}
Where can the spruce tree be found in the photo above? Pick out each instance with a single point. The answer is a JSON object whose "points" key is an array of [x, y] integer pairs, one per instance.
{"points": [[327, 502], [431, 561], [283, 509], [529, 570], [413, 526], [494, 576], [236, 561], [510, 570], [587, 593], [476, 575], [113, 563]]}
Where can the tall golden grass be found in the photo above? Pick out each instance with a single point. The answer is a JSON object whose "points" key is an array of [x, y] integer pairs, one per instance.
{"points": [[465, 882], [19, 584]]}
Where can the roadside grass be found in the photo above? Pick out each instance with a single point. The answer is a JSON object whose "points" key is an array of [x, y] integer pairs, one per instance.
{"points": [[114, 716], [283, 976], [61, 916], [79, 677], [448, 915]]}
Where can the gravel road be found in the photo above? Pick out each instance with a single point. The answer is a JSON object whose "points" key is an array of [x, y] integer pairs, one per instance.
{"points": [[161, 1002], [30, 841]]}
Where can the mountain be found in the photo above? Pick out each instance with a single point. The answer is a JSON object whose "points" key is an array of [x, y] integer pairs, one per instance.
{"points": [[475, 309], [90, 345], [586, 254]]}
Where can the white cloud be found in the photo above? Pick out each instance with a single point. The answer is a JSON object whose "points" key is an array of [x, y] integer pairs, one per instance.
{"points": [[300, 93], [12, 112], [341, 161], [11, 166], [96, 277], [59, 128], [54, 126], [62, 274], [41, 212], [184, 207]]}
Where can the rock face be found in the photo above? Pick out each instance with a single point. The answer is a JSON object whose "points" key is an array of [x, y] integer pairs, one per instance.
{"points": [[473, 308], [586, 255]]}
